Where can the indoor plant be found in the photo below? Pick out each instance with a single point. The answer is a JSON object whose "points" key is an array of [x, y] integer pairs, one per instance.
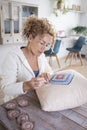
{"points": [[80, 30], [60, 7], [59, 4]]}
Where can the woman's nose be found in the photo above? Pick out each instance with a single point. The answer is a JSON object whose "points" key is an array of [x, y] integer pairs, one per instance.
{"points": [[43, 48]]}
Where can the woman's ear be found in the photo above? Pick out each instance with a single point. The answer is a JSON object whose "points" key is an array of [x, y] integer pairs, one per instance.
{"points": [[30, 37]]}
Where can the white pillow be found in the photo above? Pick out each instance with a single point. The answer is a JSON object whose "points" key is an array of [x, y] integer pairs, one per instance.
{"points": [[60, 97]]}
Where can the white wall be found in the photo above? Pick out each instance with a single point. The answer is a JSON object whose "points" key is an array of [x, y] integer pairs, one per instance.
{"points": [[62, 22], [65, 21], [83, 18]]}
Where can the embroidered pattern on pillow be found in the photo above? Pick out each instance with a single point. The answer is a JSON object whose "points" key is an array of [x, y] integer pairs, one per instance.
{"points": [[61, 78]]}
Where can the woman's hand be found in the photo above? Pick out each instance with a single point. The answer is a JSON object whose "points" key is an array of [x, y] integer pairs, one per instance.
{"points": [[34, 83], [46, 76]]}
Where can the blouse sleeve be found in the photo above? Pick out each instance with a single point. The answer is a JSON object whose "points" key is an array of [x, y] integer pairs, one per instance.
{"points": [[9, 83]]}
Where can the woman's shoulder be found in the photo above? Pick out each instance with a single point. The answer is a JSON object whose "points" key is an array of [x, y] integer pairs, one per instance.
{"points": [[42, 55], [42, 58], [16, 49], [14, 53]]}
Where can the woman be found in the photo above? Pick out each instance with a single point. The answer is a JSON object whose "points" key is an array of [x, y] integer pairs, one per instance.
{"points": [[26, 67]]}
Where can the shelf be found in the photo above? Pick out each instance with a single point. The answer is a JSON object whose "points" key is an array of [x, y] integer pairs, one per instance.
{"points": [[75, 11], [66, 10]]}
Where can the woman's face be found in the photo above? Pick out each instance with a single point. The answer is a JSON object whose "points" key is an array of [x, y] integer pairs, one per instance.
{"points": [[39, 44]]}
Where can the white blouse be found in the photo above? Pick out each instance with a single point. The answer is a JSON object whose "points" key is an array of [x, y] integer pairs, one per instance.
{"points": [[16, 70]]}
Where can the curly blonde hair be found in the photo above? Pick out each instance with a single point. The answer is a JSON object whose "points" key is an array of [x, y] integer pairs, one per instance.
{"points": [[37, 26]]}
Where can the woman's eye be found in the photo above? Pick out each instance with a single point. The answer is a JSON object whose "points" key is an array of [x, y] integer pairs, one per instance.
{"points": [[47, 45], [42, 43]]}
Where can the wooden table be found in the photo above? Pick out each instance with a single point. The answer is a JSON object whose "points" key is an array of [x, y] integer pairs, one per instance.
{"points": [[42, 120]]}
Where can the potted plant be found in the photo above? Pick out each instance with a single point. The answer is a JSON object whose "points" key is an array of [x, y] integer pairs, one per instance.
{"points": [[80, 30], [59, 4], [60, 7]]}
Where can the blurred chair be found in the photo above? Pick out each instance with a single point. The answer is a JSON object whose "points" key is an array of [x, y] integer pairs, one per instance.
{"points": [[52, 52], [75, 51]]}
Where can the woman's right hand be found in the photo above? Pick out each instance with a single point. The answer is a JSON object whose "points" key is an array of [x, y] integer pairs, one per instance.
{"points": [[34, 83]]}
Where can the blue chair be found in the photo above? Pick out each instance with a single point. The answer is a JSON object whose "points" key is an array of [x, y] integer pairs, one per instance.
{"points": [[76, 49], [52, 52]]}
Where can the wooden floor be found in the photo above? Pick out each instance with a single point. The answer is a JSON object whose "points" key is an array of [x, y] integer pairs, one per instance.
{"points": [[76, 65], [79, 114]]}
